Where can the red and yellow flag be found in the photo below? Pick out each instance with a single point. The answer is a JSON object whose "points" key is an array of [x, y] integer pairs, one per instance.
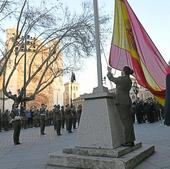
{"points": [[132, 46]]}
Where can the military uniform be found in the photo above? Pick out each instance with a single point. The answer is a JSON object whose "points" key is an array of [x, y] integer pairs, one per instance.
{"points": [[57, 119], [24, 117], [74, 117], [123, 105], [42, 119], [68, 117], [16, 122], [62, 117], [36, 119], [5, 118]]}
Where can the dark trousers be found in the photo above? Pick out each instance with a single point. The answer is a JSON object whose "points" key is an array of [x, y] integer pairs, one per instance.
{"points": [[30, 122], [42, 125], [58, 127], [74, 123], [63, 122], [6, 125], [69, 124], [17, 129]]}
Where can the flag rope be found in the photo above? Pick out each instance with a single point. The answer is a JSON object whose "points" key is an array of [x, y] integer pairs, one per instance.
{"points": [[106, 60]]}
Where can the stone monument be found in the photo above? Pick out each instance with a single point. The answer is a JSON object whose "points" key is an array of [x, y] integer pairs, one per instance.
{"points": [[99, 137]]}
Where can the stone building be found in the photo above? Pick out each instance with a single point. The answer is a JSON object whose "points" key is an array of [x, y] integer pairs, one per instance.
{"points": [[71, 92], [53, 94]]}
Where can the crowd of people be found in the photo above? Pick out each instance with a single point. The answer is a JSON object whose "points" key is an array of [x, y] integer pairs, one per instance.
{"points": [[60, 117], [147, 110]]}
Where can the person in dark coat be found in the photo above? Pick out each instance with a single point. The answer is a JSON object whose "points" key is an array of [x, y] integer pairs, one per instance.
{"points": [[16, 122], [62, 117], [5, 117], [151, 110], [74, 116], [23, 115], [68, 117], [139, 111], [167, 101], [57, 119], [123, 103], [42, 118]]}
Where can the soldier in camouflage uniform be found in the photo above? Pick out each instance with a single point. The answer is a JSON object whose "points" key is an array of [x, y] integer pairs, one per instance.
{"points": [[74, 116], [16, 122], [123, 103], [42, 118], [68, 117], [62, 117], [5, 117], [57, 119]]}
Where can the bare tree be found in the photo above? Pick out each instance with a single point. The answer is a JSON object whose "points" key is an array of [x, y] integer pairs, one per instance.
{"points": [[5, 9], [59, 38]]}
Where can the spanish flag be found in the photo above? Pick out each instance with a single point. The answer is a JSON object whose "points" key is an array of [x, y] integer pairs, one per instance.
{"points": [[131, 46]]}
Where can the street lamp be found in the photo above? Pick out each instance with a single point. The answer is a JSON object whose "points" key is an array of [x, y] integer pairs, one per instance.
{"points": [[135, 88]]}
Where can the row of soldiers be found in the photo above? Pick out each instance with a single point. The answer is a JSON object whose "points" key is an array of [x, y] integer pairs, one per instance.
{"points": [[147, 111], [4, 120], [66, 118], [33, 117], [61, 117]]}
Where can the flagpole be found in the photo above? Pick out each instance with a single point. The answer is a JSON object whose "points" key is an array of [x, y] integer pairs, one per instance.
{"points": [[97, 39]]}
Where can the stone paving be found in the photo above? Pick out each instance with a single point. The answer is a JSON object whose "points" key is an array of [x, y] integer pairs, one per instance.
{"points": [[33, 152]]}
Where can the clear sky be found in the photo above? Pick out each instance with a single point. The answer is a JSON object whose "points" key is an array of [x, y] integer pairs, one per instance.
{"points": [[154, 16]]}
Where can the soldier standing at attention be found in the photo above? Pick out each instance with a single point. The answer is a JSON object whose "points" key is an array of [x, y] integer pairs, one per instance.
{"points": [[62, 117], [6, 120], [16, 122], [42, 118], [123, 103], [57, 119], [68, 116], [74, 116]]}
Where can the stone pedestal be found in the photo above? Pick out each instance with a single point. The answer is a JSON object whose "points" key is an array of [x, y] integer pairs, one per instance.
{"points": [[99, 138], [100, 125], [91, 158]]}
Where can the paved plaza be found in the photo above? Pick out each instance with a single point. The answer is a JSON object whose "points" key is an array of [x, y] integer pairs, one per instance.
{"points": [[33, 152]]}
